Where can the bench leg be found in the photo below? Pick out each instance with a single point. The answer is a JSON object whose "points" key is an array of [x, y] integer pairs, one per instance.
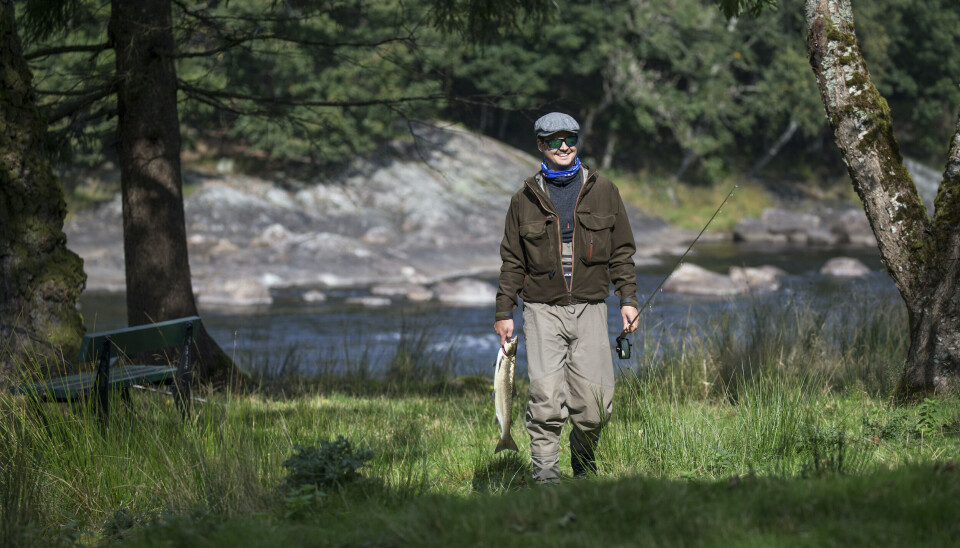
{"points": [[103, 383], [184, 376]]}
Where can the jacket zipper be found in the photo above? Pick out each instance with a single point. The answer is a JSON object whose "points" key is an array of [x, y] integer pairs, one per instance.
{"points": [[573, 238]]}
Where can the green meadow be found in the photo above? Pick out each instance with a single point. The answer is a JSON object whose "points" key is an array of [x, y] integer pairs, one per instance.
{"points": [[775, 427]]}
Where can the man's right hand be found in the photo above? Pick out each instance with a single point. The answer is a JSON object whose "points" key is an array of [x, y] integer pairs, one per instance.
{"points": [[504, 328]]}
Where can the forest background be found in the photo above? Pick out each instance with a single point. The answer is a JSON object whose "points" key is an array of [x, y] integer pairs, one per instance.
{"points": [[669, 88]]}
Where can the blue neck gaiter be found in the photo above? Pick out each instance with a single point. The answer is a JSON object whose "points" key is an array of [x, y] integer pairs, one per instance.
{"points": [[551, 174]]}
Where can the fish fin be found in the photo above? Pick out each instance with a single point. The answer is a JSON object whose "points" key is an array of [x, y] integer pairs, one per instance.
{"points": [[506, 443]]}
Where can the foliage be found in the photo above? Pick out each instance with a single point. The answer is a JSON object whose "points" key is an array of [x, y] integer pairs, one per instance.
{"points": [[672, 87], [332, 465]]}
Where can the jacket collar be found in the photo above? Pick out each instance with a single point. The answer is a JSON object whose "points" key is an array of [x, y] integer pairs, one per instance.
{"points": [[537, 185]]}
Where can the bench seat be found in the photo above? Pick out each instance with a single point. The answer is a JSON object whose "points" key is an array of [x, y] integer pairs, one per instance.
{"points": [[76, 386]]}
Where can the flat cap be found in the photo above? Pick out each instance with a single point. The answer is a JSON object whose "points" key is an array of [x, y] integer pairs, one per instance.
{"points": [[548, 124]]}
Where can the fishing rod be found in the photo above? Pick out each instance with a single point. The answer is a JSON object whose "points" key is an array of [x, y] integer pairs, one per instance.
{"points": [[623, 343]]}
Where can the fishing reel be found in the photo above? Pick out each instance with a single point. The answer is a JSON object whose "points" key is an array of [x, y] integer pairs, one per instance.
{"points": [[623, 347]]}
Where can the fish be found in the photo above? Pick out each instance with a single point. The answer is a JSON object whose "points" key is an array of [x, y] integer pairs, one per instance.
{"points": [[503, 394]]}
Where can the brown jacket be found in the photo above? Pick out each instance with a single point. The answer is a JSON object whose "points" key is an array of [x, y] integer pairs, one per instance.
{"points": [[603, 248]]}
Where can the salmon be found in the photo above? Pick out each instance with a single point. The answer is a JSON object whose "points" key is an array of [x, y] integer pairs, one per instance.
{"points": [[503, 394]]}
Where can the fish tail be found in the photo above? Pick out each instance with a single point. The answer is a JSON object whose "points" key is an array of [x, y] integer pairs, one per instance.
{"points": [[506, 442]]}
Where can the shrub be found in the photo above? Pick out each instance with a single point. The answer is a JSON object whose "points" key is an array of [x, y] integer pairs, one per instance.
{"points": [[331, 465]]}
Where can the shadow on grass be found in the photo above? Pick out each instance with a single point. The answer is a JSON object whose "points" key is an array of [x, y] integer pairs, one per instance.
{"points": [[506, 472]]}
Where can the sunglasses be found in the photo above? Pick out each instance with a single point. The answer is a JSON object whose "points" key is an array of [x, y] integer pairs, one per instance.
{"points": [[558, 142]]}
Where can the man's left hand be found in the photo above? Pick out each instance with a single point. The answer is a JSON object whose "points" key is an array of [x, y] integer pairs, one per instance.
{"points": [[628, 313]]}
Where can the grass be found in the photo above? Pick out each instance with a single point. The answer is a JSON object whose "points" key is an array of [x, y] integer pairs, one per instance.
{"points": [[775, 428], [690, 206]]}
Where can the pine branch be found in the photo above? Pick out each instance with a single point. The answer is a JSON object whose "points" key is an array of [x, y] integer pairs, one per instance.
{"points": [[71, 108], [92, 48], [239, 40], [298, 102]]}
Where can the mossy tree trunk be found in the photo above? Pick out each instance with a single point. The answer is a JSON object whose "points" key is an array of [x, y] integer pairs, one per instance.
{"points": [[40, 279], [148, 145], [922, 254]]}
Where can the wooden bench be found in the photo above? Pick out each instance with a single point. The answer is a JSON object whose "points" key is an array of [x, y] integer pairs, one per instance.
{"points": [[102, 347]]}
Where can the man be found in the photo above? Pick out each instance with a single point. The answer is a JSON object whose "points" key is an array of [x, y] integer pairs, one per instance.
{"points": [[566, 237]]}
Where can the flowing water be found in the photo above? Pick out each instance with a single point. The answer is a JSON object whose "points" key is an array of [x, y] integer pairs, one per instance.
{"points": [[293, 336]]}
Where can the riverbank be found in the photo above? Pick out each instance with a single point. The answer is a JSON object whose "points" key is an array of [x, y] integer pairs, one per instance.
{"points": [[757, 434], [418, 215]]}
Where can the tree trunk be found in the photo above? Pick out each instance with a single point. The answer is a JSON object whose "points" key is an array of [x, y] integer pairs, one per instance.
{"points": [[148, 144], [40, 279], [921, 254]]}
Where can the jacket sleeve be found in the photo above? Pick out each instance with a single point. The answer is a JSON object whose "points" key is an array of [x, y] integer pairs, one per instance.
{"points": [[622, 269], [513, 269]]}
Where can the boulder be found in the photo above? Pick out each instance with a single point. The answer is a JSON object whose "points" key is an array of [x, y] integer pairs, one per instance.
{"points": [[314, 296], [224, 247], [419, 294], [851, 226], [271, 236], [753, 230], [822, 236], [691, 279], [413, 292], [846, 267], [240, 292], [761, 278], [466, 292], [780, 221], [369, 301]]}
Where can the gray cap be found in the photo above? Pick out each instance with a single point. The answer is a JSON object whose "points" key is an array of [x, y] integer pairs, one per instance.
{"points": [[555, 122]]}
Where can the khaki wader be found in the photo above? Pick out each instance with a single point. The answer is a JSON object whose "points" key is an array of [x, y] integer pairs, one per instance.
{"points": [[571, 375]]}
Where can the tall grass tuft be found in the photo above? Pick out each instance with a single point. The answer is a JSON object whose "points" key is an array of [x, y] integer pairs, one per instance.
{"points": [[21, 508], [748, 396]]}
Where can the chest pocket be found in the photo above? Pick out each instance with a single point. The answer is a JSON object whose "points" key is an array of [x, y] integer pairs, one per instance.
{"points": [[597, 236], [538, 247]]}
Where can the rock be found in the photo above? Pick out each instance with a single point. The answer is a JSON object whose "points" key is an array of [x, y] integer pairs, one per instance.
{"points": [[851, 226], [235, 292], [354, 226], [378, 235], [271, 236], [844, 267], [779, 221], [762, 278], [420, 294], [691, 279], [223, 247], [314, 296], [864, 240], [820, 236], [753, 230], [369, 301], [466, 292], [413, 292]]}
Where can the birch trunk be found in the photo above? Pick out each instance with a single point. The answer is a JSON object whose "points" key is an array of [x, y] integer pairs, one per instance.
{"points": [[920, 253]]}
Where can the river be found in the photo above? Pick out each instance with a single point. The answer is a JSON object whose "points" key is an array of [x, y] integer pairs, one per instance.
{"points": [[293, 336]]}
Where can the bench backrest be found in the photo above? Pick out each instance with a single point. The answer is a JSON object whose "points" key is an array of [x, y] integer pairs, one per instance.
{"points": [[141, 338]]}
